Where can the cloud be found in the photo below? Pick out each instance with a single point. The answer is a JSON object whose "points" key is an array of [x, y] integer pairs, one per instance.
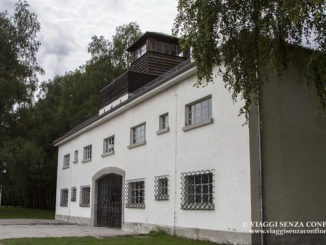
{"points": [[7, 5], [68, 25]]}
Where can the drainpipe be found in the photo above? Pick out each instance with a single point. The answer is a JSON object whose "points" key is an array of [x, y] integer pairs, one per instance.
{"points": [[175, 165], [69, 191], [261, 189]]}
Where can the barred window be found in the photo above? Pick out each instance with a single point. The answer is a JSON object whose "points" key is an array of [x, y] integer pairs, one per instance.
{"points": [[85, 192], [164, 121], [66, 160], [76, 156], [73, 194], [197, 190], [108, 145], [87, 153], [161, 188], [64, 198], [135, 194], [137, 134], [199, 111]]}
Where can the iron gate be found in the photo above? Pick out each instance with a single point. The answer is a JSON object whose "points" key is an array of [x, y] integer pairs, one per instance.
{"points": [[109, 201]]}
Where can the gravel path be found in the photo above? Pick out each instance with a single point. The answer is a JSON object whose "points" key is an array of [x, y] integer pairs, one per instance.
{"points": [[18, 228]]}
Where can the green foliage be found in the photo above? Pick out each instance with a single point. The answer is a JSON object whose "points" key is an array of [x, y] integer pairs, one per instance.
{"points": [[22, 156], [157, 239], [115, 51], [64, 102], [18, 66], [79, 95], [124, 37], [248, 39], [24, 213]]}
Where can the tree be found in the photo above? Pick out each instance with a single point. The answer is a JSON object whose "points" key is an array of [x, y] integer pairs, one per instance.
{"points": [[18, 66], [24, 171], [125, 36], [64, 102], [115, 50], [249, 38]]}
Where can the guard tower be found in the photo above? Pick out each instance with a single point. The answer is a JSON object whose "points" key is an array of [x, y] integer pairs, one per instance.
{"points": [[156, 53], [152, 55]]}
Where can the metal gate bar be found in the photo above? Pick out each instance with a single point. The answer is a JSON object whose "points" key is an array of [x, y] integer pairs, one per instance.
{"points": [[109, 209]]}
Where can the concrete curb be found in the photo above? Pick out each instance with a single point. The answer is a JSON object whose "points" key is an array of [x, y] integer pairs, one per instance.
{"points": [[31, 222]]}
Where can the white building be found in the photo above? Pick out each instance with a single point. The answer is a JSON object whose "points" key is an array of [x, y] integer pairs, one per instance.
{"points": [[161, 153]]}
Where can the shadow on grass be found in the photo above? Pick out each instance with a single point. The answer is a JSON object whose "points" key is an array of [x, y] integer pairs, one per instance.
{"points": [[24, 213], [154, 238]]}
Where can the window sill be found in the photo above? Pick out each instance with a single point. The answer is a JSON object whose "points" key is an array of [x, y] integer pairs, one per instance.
{"points": [[162, 131], [84, 205], [140, 206], [198, 206], [197, 125], [107, 154], [75, 162], [66, 167], [162, 198], [136, 145], [88, 160], [63, 205]]}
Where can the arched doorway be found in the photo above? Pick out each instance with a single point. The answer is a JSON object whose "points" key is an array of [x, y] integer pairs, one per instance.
{"points": [[109, 201]]}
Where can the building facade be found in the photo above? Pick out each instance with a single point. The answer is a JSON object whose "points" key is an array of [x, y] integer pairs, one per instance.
{"points": [[161, 153]]}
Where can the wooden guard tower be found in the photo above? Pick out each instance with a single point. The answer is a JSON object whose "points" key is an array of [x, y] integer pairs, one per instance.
{"points": [[152, 55]]}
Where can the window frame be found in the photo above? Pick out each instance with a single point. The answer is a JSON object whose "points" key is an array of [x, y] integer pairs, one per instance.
{"points": [[162, 127], [202, 122], [140, 52], [107, 153], [75, 156], [132, 144], [73, 197], [158, 188], [188, 203], [63, 197], [82, 198], [85, 153], [135, 193], [66, 164]]}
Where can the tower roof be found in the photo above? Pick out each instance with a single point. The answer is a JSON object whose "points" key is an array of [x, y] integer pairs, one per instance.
{"points": [[158, 35]]}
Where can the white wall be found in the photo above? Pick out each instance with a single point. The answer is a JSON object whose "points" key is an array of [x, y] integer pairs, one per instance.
{"points": [[222, 146]]}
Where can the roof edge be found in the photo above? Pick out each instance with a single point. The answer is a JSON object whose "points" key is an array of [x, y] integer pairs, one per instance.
{"points": [[139, 94]]}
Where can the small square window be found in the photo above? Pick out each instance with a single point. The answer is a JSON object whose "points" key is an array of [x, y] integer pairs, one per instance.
{"points": [[64, 198], [76, 156], [164, 121], [161, 188], [85, 192], [199, 111], [87, 153], [66, 161], [135, 194], [137, 135], [73, 194], [108, 145]]}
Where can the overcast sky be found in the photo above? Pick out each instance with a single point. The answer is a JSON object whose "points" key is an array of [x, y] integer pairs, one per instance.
{"points": [[68, 25]]}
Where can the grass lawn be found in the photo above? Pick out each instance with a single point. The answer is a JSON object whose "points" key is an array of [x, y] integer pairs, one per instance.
{"points": [[25, 213], [152, 239]]}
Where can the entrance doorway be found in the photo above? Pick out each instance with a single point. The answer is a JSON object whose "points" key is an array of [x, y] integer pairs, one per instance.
{"points": [[109, 201]]}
